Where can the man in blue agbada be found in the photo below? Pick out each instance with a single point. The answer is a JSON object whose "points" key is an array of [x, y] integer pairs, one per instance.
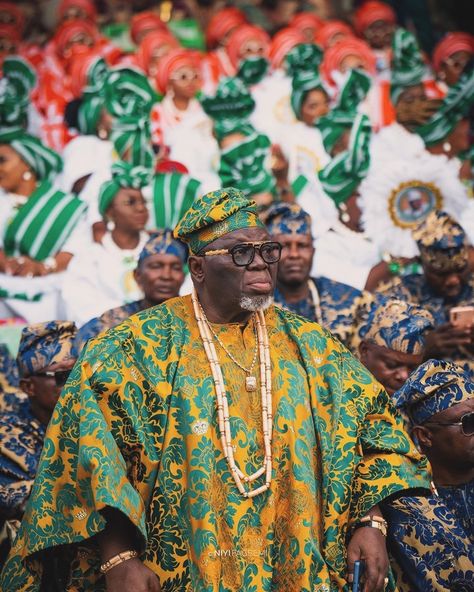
{"points": [[215, 443], [431, 539]]}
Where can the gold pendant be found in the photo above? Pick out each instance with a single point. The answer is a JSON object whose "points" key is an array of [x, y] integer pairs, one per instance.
{"points": [[250, 384]]}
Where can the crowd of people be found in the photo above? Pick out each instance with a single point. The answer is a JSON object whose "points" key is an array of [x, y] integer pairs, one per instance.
{"points": [[236, 246]]}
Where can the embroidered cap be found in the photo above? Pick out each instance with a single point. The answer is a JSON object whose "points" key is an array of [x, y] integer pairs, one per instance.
{"points": [[287, 218], [215, 214], [434, 386], [162, 242], [44, 344], [399, 325]]}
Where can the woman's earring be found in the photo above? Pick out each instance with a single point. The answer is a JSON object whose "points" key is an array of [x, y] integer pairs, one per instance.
{"points": [[447, 147], [110, 225], [343, 211], [27, 176]]}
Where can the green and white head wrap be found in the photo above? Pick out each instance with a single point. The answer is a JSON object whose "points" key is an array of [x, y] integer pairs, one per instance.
{"points": [[245, 165], [303, 82], [253, 69], [230, 107], [456, 105], [342, 116], [129, 98], [407, 67], [45, 163], [16, 85], [93, 97], [304, 56], [341, 177], [123, 175]]}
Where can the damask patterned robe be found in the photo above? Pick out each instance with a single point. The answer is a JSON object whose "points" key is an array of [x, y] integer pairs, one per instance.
{"points": [[431, 540], [136, 429]]}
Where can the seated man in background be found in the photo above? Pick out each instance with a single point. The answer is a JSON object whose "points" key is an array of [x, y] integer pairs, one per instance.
{"points": [[325, 301], [44, 362], [159, 274], [431, 539], [446, 282], [393, 341]]}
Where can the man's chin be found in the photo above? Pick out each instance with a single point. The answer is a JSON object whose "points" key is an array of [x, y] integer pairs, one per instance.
{"points": [[253, 303]]}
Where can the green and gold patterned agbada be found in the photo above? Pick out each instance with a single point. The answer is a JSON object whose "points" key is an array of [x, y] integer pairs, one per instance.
{"points": [[136, 429]]}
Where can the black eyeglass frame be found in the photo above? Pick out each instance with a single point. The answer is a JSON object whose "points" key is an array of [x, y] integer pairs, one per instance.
{"points": [[60, 376], [255, 246], [461, 423]]}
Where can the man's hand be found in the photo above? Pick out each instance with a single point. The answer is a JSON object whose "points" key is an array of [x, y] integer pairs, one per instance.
{"points": [[368, 543], [445, 339], [131, 575]]}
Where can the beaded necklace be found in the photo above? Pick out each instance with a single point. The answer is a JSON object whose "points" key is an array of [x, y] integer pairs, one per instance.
{"points": [[223, 405]]}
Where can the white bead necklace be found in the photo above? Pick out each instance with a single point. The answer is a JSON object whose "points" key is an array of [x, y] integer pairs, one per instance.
{"points": [[223, 405], [316, 301]]}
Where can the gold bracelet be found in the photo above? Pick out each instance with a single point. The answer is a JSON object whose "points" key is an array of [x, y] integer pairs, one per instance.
{"points": [[117, 560], [375, 522]]}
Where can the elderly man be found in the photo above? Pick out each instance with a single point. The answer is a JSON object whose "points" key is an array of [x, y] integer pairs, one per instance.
{"points": [[44, 362], [393, 341], [228, 444], [431, 539], [329, 303], [159, 274], [446, 282]]}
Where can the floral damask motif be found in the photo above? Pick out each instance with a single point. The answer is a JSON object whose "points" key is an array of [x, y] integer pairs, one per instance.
{"points": [[122, 436]]}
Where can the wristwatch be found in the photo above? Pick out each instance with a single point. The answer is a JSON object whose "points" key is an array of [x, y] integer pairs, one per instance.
{"points": [[374, 522]]}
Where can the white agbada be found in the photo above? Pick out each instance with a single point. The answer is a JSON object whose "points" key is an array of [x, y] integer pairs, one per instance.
{"points": [[100, 277]]}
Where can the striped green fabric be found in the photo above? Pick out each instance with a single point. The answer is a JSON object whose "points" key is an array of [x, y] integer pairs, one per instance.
{"points": [[341, 177], [304, 56], [89, 114], [173, 195], [303, 81], [245, 166], [18, 81], [43, 224], [408, 67], [299, 184]]}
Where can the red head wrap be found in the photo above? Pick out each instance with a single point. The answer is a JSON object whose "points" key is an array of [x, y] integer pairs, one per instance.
{"points": [[282, 42], [307, 20], [222, 23], [329, 30], [16, 17], [335, 55], [80, 66], [69, 30], [145, 21], [170, 166], [87, 6], [452, 43], [373, 11], [151, 43], [173, 61], [240, 36]]}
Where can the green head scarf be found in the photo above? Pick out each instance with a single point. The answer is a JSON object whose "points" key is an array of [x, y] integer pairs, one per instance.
{"points": [[304, 56], [123, 175], [342, 116], [303, 82], [407, 67], [129, 98], [456, 105], [42, 160], [214, 214], [341, 177], [252, 70], [17, 82], [230, 107], [93, 97]]}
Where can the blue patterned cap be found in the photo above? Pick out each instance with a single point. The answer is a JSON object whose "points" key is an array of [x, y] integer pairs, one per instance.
{"points": [[434, 386], [399, 326], [44, 344], [287, 218], [162, 242]]}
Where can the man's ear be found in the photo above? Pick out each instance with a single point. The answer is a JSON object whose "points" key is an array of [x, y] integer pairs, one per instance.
{"points": [[196, 268], [423, 436], [138, 277], [26, 385], [363, 349]]}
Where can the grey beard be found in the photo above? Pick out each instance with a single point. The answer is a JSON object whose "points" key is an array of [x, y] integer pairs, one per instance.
{"points": [[254, 303]]}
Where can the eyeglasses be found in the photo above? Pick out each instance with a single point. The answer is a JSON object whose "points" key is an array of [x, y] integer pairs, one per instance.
{"points": [[466, 422], [186, 76], [244, 253], [60, 377]]}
